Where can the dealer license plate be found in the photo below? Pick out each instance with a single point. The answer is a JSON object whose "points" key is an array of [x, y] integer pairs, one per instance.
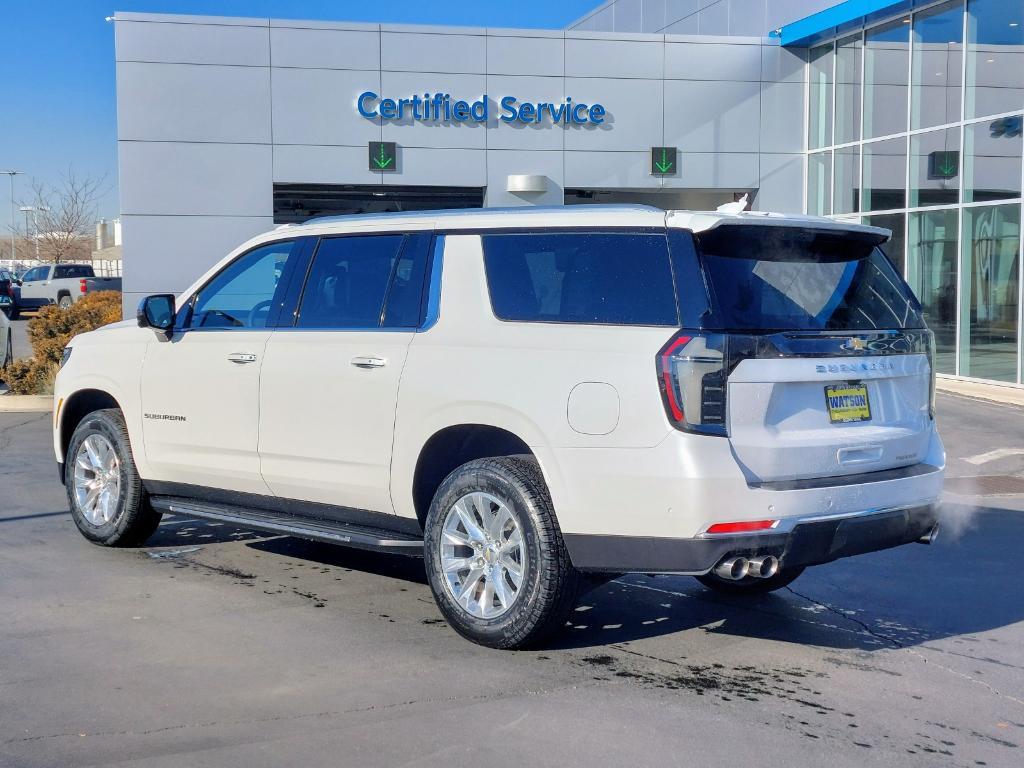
{"points": [[847, 403]]}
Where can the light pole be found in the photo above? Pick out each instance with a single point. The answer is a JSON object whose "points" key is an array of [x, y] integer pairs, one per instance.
{"points": [[12, 174]]}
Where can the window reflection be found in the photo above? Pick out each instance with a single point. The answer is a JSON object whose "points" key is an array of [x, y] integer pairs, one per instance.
{"points": [[820, 104], [846, 194], [938, 52], [886, 52], [992, 154], [848, 72], [931, 271], [935, 167], [995, 57], [819, 184], [989, 290], [885, 169]]}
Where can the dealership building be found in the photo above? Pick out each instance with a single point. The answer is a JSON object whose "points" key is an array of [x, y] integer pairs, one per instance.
{"points": [[906, 115]]}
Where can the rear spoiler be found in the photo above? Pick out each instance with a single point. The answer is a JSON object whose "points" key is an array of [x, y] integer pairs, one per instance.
{"points": [[698, 222]]}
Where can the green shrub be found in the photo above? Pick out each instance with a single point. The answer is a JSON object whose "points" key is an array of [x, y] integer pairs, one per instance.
{"points": [[50, 331]]}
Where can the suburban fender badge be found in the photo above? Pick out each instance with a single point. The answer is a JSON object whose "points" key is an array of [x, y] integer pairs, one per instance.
{"points": [[163, 417]]}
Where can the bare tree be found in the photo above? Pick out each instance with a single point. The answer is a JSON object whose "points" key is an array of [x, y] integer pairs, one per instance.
{"points": [[65, 215]]}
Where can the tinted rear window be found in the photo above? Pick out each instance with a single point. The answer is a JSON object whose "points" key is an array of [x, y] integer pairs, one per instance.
{"points": [[620, 278], [776, 278]]}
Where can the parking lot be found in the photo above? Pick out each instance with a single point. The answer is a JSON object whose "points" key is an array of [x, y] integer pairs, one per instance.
{"points": [[217, 646]]}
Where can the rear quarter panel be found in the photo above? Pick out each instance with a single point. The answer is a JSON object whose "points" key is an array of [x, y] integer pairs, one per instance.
{"points": [[472, 368]]}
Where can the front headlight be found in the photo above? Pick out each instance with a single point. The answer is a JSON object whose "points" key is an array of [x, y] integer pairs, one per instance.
{"points": [[64, 355]]}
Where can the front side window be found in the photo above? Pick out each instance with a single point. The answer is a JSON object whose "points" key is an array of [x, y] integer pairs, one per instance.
{"points": [[365, 281], [242, 294], [620, 278], [34, 274]]}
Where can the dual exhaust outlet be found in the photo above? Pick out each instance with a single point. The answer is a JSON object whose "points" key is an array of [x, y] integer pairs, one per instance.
{"points": [[736, 568]]}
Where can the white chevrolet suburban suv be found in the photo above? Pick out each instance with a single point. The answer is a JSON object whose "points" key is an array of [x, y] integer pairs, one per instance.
{"points": [[533, 400]]}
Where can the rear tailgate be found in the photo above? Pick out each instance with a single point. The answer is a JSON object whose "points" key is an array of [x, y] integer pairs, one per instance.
{"points": [[780, 426]]}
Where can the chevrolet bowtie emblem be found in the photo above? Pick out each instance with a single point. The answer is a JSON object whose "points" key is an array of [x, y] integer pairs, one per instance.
{"points": [[855, 345]]}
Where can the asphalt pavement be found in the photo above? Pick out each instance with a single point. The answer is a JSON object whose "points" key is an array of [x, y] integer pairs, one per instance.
{"points": [[218, 646]]}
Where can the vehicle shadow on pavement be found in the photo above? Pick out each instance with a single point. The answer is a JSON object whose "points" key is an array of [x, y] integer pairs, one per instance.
{"points": [[400, 567], [898, 598]]}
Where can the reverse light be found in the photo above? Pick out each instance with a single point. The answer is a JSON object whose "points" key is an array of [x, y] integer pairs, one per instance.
{"points": [[743, 526]]}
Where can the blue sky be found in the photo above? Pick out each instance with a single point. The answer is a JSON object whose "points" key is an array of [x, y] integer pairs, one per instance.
{"points": [[57, 106]]}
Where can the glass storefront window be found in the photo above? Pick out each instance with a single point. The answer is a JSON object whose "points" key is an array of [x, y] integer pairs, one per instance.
{"points": [[931, 272], [895, 245], [820, 103], [886, 53], [885, 175], [848, 69], [995, 57], [938, 51], [989, 292], [935, 168], [819, 183], [846, 188], [992, 157]]}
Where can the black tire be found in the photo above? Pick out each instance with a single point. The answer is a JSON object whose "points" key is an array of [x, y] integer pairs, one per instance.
{"points": [[64, 302], [549, 584], [749, 585], [133, 520], [13, 314]]}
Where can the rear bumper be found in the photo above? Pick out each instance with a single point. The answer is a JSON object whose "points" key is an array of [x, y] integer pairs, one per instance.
{"points": [[803, 542]]}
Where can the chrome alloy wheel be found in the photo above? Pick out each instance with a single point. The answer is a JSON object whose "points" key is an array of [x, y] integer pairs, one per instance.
{"points": [[483, 556], [97, 479]]}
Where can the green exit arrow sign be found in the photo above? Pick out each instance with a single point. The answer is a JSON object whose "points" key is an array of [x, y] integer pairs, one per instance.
{"points": [[664, 161], [383, 155], [943, 164]]}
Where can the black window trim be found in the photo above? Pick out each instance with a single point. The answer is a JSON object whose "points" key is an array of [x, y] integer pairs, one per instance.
{"points": [[183, 314], [663, 231], [409, 239]]}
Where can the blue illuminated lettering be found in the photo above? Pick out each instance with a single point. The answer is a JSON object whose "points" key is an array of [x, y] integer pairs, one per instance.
{"points": [[366, 96]]}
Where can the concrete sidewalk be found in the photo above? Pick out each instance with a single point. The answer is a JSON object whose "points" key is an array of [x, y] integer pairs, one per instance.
{"points": [[1006, 394], [25, 403]]}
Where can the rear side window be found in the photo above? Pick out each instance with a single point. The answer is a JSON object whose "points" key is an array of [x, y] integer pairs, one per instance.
{"points": [[365, 281], [71, 270], [779, 278], [615, 278]]}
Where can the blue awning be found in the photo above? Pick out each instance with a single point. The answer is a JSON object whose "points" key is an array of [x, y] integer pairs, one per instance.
{"points": [[840, 19]]}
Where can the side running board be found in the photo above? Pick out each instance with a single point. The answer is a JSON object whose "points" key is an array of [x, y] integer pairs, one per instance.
{"points": [[326, 531]]}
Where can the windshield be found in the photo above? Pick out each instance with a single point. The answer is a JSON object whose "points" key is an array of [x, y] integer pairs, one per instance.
{"points": [[778, 278]]}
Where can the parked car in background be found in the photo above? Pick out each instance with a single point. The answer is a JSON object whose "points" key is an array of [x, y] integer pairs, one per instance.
{"points": [[8, 281], [61, 284], [531, 400], [6, 344]]}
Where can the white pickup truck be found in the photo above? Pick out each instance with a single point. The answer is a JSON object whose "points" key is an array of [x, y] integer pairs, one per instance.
{"points": [[61, 284]]}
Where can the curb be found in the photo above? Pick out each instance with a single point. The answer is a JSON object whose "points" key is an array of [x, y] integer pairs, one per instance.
{"points": [[26, 403], [990, 393]]}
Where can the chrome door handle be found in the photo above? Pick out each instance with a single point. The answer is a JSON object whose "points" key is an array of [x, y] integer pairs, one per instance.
{"points": [[369, 362], [242, 357]]}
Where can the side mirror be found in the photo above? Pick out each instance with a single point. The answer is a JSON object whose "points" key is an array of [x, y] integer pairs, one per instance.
{"points": [[156, 312]]}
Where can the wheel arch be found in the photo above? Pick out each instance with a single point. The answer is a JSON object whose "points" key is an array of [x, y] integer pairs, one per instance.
{"points": [[451, 447], [76, 407]]}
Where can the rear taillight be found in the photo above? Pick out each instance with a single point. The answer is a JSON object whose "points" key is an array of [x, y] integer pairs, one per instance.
{"points": [[692, 373], [81, 285], [931, 374], [10, 289]]}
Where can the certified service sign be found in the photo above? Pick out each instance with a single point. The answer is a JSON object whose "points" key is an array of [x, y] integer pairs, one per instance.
{"points": [[442, 108]]}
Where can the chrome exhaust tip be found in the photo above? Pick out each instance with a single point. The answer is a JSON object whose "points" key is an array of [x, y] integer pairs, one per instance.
{"points": [[732, 568], [931, 536], [763, 567]]}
